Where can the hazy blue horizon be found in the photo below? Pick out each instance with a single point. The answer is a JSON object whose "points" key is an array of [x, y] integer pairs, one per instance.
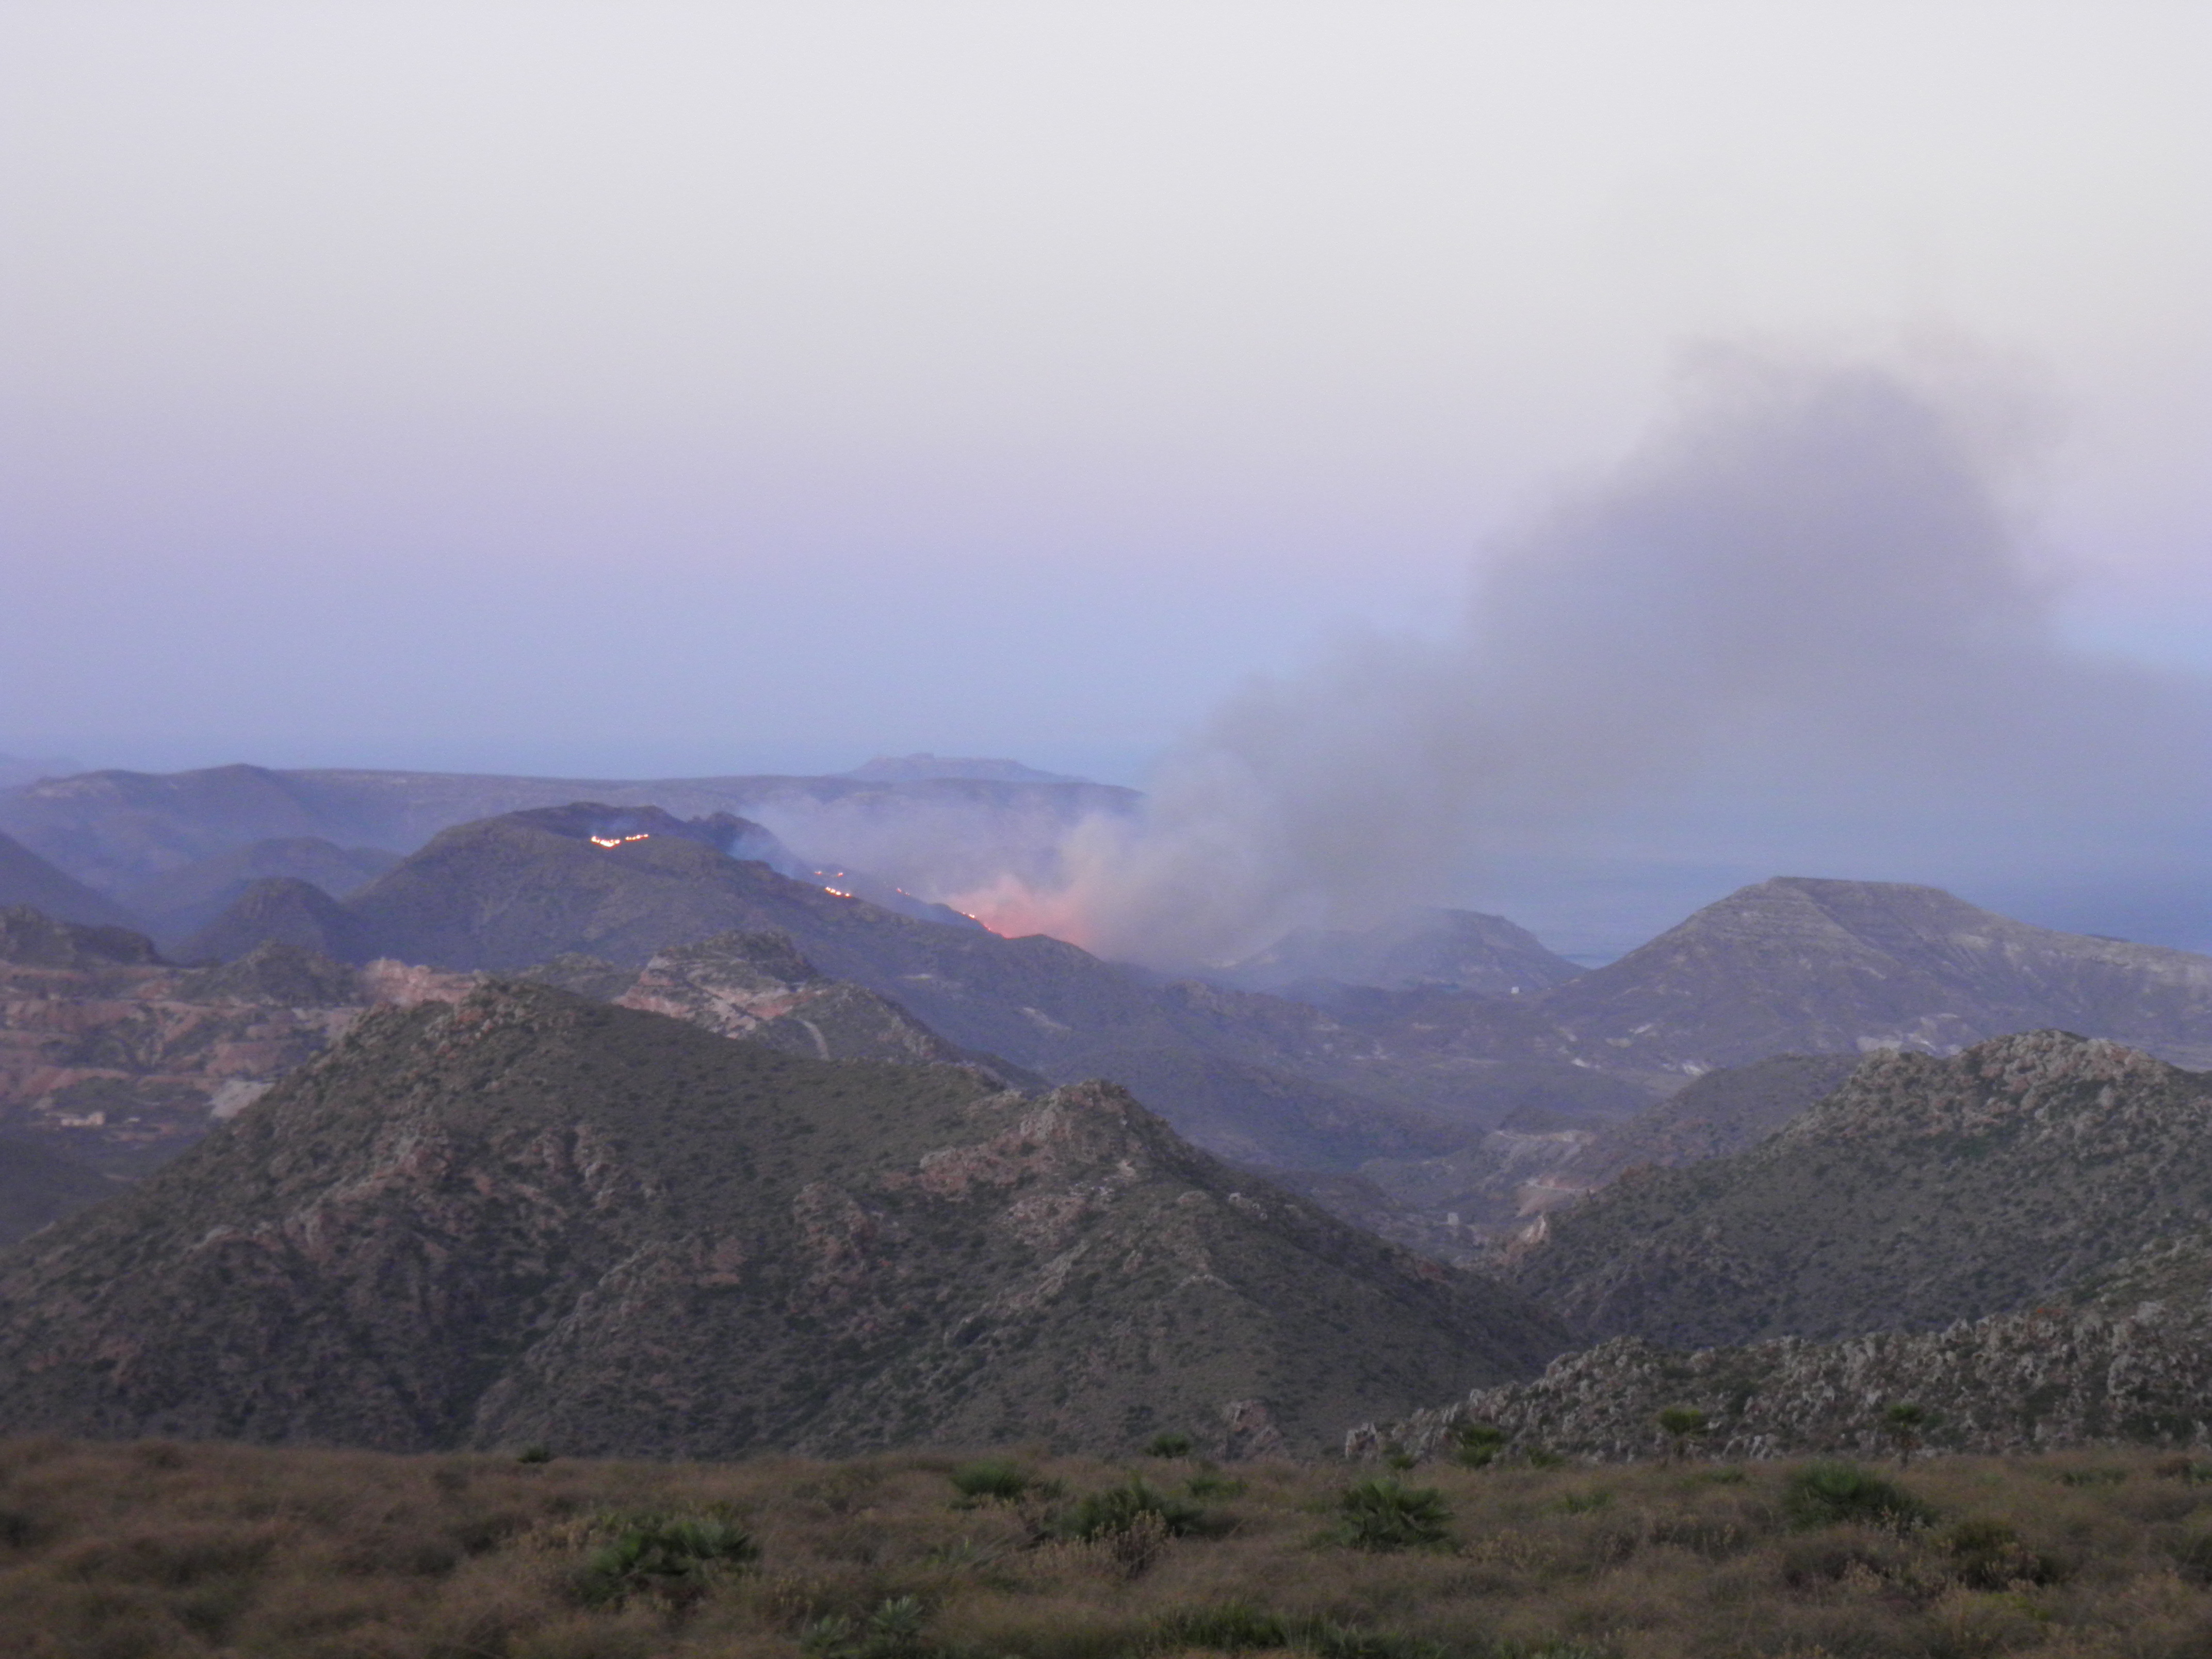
{"points": [[682, 389]]}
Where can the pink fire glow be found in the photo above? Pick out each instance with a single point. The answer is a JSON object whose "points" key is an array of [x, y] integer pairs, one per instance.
{"points": [[1011, 909]]}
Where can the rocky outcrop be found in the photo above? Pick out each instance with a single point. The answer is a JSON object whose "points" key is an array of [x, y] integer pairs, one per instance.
{"points": [[2116, 1369], [526, 1217]]}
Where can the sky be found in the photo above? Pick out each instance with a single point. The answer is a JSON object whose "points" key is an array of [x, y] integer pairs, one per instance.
{"points": [[651, 388]]}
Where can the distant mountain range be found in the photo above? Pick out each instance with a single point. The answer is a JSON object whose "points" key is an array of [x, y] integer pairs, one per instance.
{"points": [[29, 880], [921, 769], [123, 831], [621, 885], [178, 903], [1443, 1077], [1466, 1113], [531, 1217], [1453, 950]]}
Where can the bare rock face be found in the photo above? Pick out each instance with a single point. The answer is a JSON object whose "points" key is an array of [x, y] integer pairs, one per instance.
{"points": [[115, 1060], [1924, 1191], [2110, 1366], [526, 1217], [757, 988]]}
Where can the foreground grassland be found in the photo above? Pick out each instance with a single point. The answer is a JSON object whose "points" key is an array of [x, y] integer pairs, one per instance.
{"points": [[118, 1550]]}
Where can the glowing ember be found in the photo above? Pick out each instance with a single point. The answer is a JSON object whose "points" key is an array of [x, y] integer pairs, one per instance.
{"points": [[617, 841], [836, 892]]}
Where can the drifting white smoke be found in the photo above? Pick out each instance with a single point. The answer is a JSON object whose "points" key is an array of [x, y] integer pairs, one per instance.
{"points": [[1804, 589]]}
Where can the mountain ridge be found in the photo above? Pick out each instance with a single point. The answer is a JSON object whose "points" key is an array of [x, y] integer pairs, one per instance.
{"points": [[527, 1217], [1921, 1191]]}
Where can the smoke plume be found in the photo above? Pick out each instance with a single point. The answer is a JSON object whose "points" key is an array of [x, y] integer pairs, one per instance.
{"points": [[1803, 604]]}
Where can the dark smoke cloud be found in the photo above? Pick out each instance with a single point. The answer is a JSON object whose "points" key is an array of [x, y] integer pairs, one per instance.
{"points": [[1802, 614]]}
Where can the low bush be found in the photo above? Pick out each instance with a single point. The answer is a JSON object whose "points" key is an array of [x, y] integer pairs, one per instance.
{"points": [[1476, 1444], [1169, 1444], [196, 1551], [672, 1557], [1383, 1514], [1827, 1494], [1118, 1509], [2091, 1477], [894, 1629], [993, 1480], [1988, 1555], [1230, 1627]]}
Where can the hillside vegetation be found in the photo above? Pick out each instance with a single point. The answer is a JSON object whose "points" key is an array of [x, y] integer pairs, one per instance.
{"points": [[165, 1550], [1922, 1191], [528, 1217]]}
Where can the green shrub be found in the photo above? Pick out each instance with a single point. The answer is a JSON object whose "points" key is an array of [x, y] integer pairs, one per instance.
{"points": [[1988, 1555], [2191, 1554], [1827, 1493], [1383, 1515], [1168, 1444], [534, 1454], [1903, 1421], [1230, 1627], [1475, 1445], [1238, 1627], [667, 1555], [993, 1480], [2092, 1477], [1117, 1509], [893, 1631], [1211, 1482], [1341, 1641]]}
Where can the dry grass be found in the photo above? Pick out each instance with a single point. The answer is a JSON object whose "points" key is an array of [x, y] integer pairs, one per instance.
{"points": [[125, 1551]]}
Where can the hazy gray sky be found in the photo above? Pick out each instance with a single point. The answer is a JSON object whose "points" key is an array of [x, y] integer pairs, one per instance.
{"points": [[652, 387]]}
